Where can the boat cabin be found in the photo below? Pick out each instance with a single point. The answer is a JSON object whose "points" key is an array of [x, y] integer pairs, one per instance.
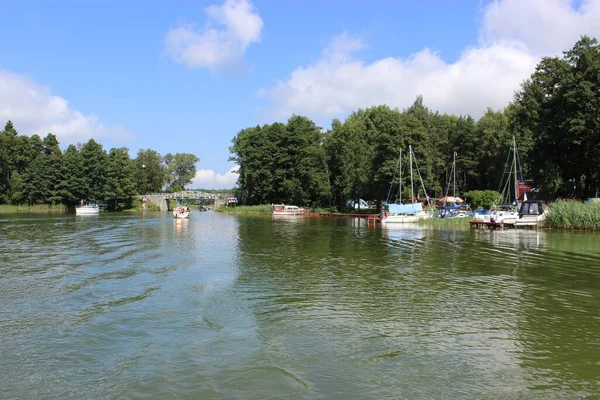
{"points": [[532, 207]]}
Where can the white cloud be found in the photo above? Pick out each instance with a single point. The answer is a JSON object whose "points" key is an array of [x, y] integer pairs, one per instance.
{"points": [[544, 26], [33, 109], [209, 179], [514, 34], [222, 42]]}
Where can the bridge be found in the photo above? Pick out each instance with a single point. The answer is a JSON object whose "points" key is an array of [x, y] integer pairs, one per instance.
{"points": [[160, 199]]}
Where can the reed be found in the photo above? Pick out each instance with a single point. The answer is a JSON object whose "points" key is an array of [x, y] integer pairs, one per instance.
{"points": [[34, 209], [571, 214]]}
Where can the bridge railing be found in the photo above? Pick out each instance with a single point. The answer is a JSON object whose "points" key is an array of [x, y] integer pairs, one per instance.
{"points": [[191, 194]]}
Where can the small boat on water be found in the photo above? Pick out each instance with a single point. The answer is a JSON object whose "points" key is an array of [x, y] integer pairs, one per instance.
{"points": [[407, 212], [532, 213], [282, 209], [181, 212], [87, 209]]}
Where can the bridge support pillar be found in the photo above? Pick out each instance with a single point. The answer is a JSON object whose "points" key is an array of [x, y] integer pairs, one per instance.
{"points": [[160, 201]]}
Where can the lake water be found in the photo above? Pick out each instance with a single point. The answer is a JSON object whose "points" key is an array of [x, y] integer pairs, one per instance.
{"points": [[220, 306]]}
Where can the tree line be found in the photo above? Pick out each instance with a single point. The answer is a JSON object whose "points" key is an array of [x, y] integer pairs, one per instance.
{"points": [[36, 171], [555, 117]]}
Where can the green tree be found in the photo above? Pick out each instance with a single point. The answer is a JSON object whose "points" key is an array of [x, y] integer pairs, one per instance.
{"points": [[181, 169], [95, 161], [558, 109], [120, 178], [154, 170], [74, 185]]}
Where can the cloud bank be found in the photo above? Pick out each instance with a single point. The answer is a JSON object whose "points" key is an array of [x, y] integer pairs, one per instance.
{"points": [[209, 179], [513, 36], [33, 109], [228, 31]]}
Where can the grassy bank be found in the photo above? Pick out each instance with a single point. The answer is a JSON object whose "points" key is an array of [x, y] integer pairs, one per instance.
{"points": [[35, 209], [571, 214], [260, 209], [445, 221]]}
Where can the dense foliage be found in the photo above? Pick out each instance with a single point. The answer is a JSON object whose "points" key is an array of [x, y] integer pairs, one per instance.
{"points": [[555, 118], [36, 171]]}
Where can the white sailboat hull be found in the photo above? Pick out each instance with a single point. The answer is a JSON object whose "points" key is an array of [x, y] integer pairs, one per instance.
{"points": [[403, 219]]}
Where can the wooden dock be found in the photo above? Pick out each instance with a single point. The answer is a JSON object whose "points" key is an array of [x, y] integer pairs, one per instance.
{"points": [[489, 224]]}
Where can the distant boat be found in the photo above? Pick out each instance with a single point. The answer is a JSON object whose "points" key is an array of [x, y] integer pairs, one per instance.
{"points": [[87, 209], [282, 209]]}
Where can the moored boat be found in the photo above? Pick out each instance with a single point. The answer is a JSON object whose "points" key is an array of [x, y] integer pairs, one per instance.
{"points": [[87, 209], [532, 213], [408, 212], [282, 209]]}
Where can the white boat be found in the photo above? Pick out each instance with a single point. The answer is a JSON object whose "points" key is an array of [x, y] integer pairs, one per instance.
{"points": [[181, 212], [532, 213], [405, 213], [503, 213], [87, 209], [282, 209]]}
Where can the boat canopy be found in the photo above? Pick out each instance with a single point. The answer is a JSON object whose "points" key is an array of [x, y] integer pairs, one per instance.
{"points": [[405, 208]]}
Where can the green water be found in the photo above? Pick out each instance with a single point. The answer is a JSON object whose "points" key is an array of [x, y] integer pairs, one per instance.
{"points": [[219, 306]]}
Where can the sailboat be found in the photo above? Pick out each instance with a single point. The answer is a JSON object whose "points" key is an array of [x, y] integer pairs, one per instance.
{"points": [[410, 212], [456, 210]]}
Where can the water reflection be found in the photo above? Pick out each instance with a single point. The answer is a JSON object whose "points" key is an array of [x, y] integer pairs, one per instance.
{"points": [[410, 231], [181, 226]]}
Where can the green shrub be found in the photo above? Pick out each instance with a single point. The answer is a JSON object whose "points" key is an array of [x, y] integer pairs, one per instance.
{"points": [[482, 198]]}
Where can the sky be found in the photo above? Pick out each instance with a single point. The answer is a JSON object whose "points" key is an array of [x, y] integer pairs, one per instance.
{"points": [[187, 76]]}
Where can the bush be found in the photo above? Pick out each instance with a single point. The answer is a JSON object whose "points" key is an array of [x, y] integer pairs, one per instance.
{"points": [[482, 198], [571, 214]]}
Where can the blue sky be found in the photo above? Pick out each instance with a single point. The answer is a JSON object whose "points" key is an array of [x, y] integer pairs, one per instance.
{"points": [[154, 75]]}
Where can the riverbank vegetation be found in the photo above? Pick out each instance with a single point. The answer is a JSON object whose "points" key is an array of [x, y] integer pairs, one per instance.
{"points": [[256, 209], [36, 171], [569, 214], [554, 118], [34, 209]]}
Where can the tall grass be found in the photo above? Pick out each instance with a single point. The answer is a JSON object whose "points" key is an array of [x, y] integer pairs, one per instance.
{"points": [[259, 209], [35, 209], [571, 214]]}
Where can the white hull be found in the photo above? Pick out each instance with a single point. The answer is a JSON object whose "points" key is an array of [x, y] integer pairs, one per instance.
{"points": [[288, 213], [181, 215], [87, 210], [404, 219], [531, 220]]}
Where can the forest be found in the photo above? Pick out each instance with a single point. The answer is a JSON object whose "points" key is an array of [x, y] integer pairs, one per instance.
{"points": [[36, 171], [554, 116]]}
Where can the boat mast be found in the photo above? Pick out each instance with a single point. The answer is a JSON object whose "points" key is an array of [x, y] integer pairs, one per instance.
{"points": [[412, 193], [400, 181], [515, 170], [454, 176]]}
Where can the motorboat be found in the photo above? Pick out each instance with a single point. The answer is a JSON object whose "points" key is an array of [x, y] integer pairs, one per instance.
{"points": [[282, 209], [87, 209], [532, 213], [181, 212]]}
